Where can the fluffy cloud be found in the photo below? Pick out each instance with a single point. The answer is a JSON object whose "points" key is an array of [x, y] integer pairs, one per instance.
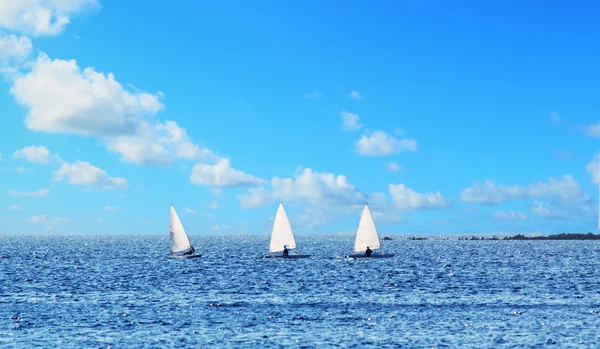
{"points": [[157, 144], [593, 130], [84, 173], [214, 205], [355, 95], [562, 211], [32, 153], [189, 210], [111, 208], [593, 168], [393, 167], [510, 216], [20, 169], [222, 174], [350, 121], [38, 193], [305, 186], [406, 199], [42, 219], [14, 207], [14, 48], [565, 189], [62, 98], [41, 17], [380, 143], [547, 211]]}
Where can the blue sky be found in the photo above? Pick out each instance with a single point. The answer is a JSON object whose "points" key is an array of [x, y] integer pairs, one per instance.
{"points": [[470, 118]]}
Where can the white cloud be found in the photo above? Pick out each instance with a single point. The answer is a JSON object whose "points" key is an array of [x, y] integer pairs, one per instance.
{"points": [[380, 143], [84, 173], [62, 98], [41, 17], [100, 220], [406, 199], [189, 210], [32, 153], [350, 121], [14, 207], [214, 205], [217, 191], [563, 188], [593, 168], [393, 167], [209, 215], [305, 186], [563, 212], [547, 211], [510, 216], [555, 119], [39, 193], [593, 130], [222, 175], [221, 227], [20, 169], [313, 94], [42, 219], [14, 48], [355, 95], [111, 208]]}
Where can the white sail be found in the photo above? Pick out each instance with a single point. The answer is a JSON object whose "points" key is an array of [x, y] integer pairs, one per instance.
{"points": [[367, 232], [282, 232], [179, 239]]}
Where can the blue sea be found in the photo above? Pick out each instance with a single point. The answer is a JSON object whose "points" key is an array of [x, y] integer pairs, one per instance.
{"points": [[124, 292]]}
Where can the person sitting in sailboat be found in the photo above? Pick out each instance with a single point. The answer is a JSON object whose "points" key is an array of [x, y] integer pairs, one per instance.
{"points": [[191, 251], [368, 252], [286, 252]]}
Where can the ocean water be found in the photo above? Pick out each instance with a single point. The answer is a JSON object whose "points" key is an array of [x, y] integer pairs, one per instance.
{"points": [[123, 292]]}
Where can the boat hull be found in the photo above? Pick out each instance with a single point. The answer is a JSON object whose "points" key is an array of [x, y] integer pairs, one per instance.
{"points": [[373, 256], [295, 256], [187, 256]]}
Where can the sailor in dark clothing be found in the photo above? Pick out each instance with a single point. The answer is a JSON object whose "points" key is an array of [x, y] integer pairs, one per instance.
{"points": [[191, 251], [368, 252], [285, 251]]}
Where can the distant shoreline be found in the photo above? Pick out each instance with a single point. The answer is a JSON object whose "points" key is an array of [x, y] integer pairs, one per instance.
{"points": [[563, 236]]}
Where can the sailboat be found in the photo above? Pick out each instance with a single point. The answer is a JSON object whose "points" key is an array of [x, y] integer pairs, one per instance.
{"points": [[283, 236], [181, 247], [366, 236]]}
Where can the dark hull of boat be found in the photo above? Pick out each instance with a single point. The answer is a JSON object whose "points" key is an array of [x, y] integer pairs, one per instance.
{"points": [[187, 256], [373, 256], [295, 256]]}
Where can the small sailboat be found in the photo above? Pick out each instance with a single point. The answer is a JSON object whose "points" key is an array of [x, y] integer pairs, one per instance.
{"points": [[282, 237], [366, 236], [181, 247]]}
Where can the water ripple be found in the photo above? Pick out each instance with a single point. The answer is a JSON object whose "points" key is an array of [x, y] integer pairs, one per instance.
{"points": [[74, 292]]}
